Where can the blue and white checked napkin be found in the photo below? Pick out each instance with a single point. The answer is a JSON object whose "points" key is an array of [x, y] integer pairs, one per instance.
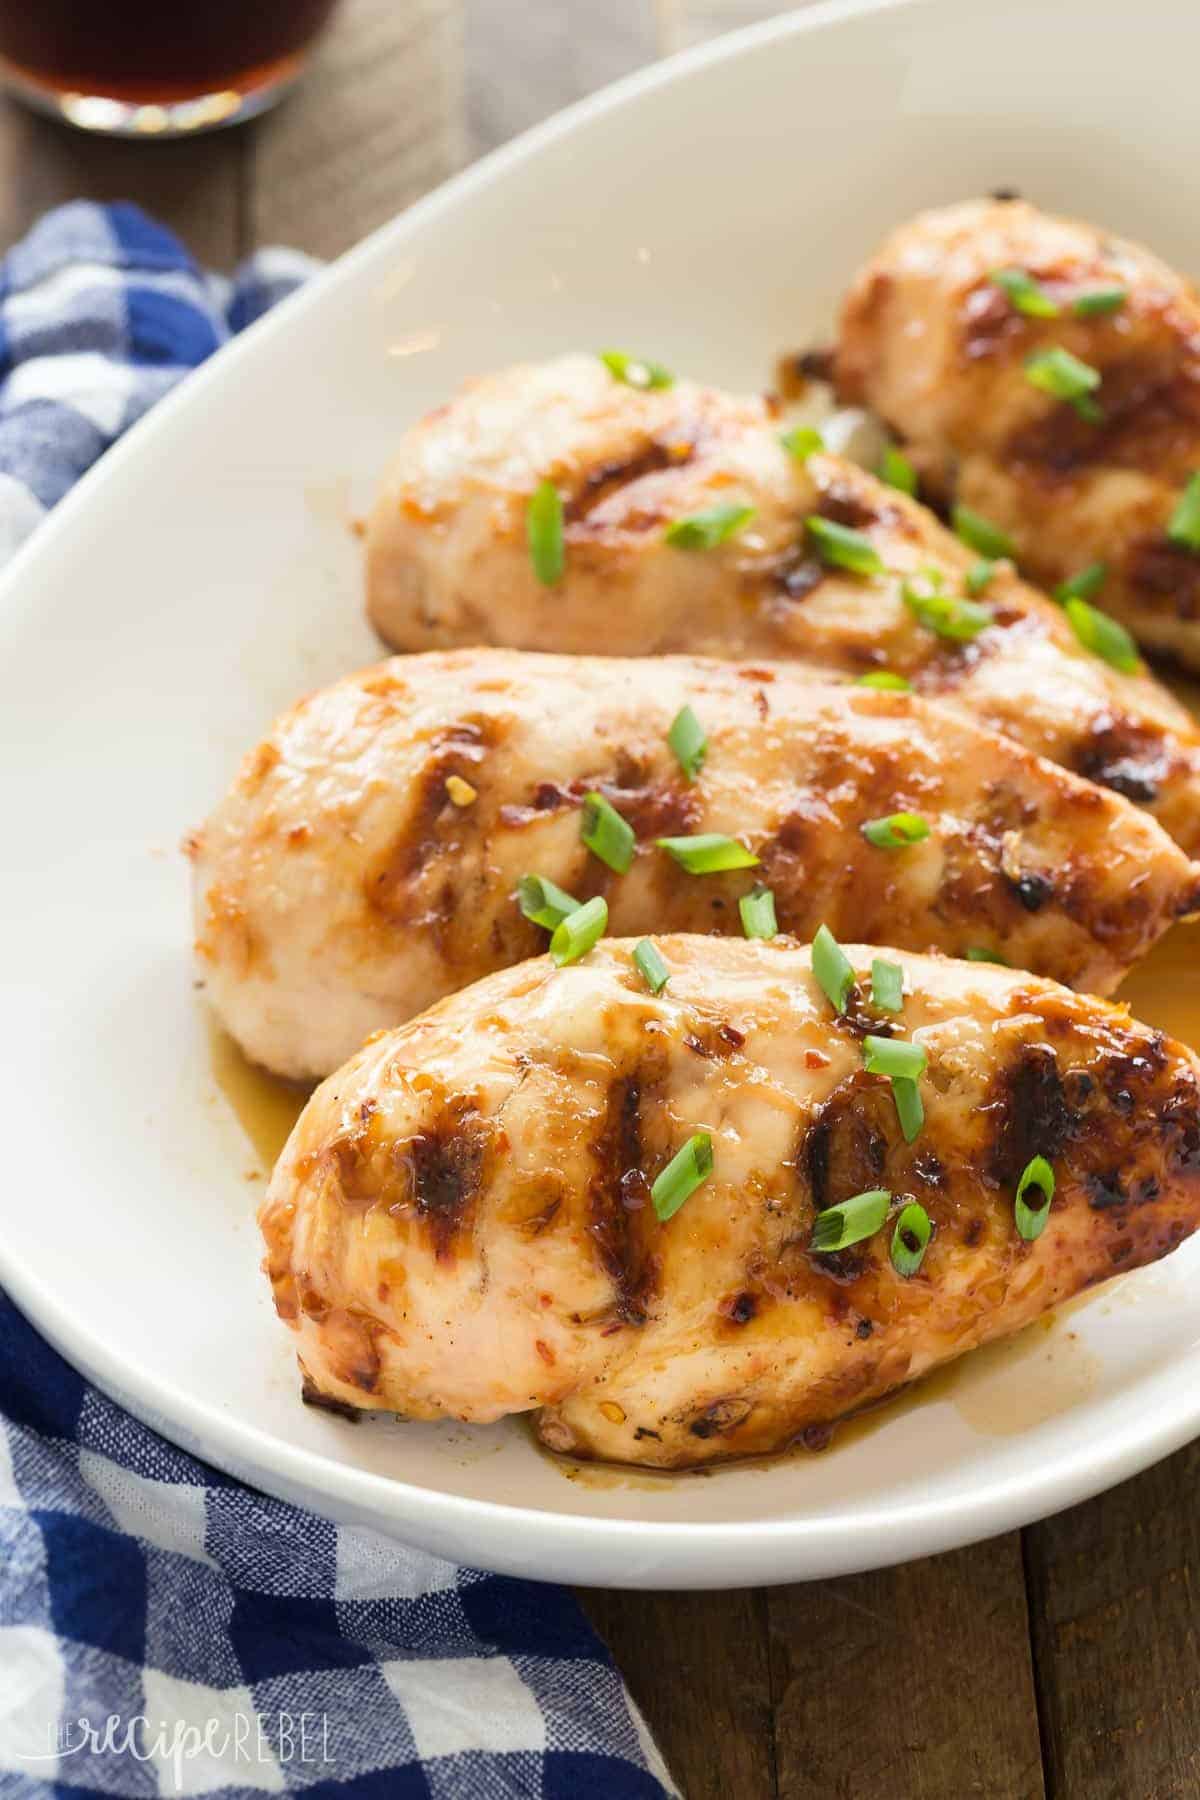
{"points": [[163, 1629]]}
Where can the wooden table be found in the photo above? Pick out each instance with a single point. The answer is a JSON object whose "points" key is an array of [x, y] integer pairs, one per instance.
{"points": [[1062, 1660]]}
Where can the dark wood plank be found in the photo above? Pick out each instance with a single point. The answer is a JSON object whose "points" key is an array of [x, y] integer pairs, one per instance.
{"points": [[914, 1682], [376, 122], [697, 1666], [192, 186], [525, 62], [1115, 1592]]}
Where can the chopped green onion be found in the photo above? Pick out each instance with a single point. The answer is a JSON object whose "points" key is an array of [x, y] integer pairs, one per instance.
{"points": [[543, 902], [837, 1227], [980, 953], [832, 968], [979, 576], [705, 530], [682, 1175], [910, 1108], [1099, 633], [897, 831], [910, 1240], [635, 371], [648, 961], [758, 913], [1057, 372], [1183, 527], [1026, 293], [897, 471], [689, 741], [802, 441], [949, 615], [1084, 586], [893, 1056], [1098, 301], [887, 985], [843, 548], [544, 530], [606, 834], [708, 853], [1031, 1220], [980, 534], [580, 931], [886, 681]]}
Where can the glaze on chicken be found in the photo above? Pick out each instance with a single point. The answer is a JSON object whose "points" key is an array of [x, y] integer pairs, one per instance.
{"points": [[936, 346], [462, 1222], [448, 563], [367, 859]]}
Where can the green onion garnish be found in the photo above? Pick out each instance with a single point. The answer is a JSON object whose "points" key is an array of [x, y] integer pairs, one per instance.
{"points": [[887, 985], [885, 680], [580, 931], [689, 742], [948, 614], [910, 1108], [1057, 372], [1183, 528], [1098, 301], [897, 471], [910, 1240], [832, 968], [1026, 293], [635, 371], [981, 953], [1084, 586], [544, 530], [1031, 1220], [979, 576], [606, 834], [1101, 634], [758, 913], [543, 902], [843, 548], [682, 1175], [708, 853], [980, 534], [837, 1227], [802, 441], [897, 831], [648, 962], [893, 1056], [705, 530]]}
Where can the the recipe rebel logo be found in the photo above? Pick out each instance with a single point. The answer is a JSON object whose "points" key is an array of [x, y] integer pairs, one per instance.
{"points": [[223, 1745]]}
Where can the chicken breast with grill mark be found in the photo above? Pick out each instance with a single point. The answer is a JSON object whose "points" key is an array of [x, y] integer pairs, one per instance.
{"points": [[367, 858], [937, 347], [448, 564], [462, 1223]]}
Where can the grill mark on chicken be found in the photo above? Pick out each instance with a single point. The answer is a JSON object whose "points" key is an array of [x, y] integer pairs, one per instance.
{"points": [[1150, 415], [1028, 1111], [607, 478], [619, 1192], [845, 1147], [1166, 575], [1131, 759], [435, 826], [437, 1173]]}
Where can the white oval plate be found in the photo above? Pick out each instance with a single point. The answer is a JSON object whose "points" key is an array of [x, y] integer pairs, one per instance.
{"points": [[706, 213]]}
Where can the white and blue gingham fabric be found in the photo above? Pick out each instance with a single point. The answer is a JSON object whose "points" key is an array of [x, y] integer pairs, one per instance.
{"points": [[163, 1629]]}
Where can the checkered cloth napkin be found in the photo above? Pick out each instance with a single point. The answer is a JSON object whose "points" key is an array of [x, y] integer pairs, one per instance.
{"points": [[164, 1630]]}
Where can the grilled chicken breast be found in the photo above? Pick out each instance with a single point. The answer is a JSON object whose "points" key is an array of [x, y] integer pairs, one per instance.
{"points": [[940, 350], [366, 861], [448, 564], [462, 1223]]}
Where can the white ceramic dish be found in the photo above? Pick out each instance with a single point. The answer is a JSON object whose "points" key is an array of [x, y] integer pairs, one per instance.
{"points": [[706, 213]]}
